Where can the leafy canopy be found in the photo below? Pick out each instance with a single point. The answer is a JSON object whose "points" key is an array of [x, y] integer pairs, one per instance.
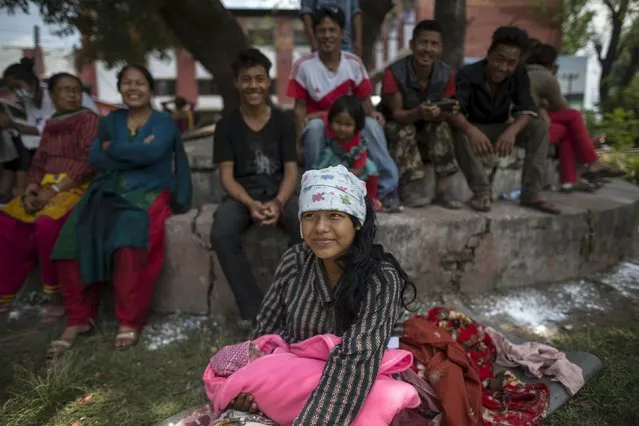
{"points": [[114, 31]]}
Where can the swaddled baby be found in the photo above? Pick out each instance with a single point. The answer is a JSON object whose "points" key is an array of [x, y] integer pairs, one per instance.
{"points": [[231, 358]]}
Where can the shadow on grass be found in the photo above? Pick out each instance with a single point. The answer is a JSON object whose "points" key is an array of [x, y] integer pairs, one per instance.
{"points": [[611, 397], [97, 385]]}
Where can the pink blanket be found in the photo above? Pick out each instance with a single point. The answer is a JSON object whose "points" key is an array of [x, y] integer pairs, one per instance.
{"points": [[282, 381]]}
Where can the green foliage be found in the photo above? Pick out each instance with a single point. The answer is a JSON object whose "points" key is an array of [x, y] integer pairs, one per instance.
{"points": [[624, 161], [96, 385], [620, 126], [575, 18], [609, 398], [114, 31], [624, 76], [629, 97]]}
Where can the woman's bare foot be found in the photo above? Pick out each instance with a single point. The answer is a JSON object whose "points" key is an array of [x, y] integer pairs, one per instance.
{"points": [[126, 337]]}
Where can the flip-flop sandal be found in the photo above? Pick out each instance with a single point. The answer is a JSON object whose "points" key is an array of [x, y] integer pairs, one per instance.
{"points": [[59, 347], [567, 189], [131, 338], [56, 349], [481, 203], [446, 200], [583, 186], [541, 206]]}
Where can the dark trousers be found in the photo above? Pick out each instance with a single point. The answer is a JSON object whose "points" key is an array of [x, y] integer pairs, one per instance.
{"points": [[230, 220], [534, 138]]}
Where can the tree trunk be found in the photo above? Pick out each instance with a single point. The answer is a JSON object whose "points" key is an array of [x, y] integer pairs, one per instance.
{"points": [[452, 15], [374, 12], [212, 35], [617, 18]]}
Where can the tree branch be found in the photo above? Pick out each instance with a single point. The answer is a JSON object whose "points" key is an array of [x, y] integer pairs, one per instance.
{"points": [[12, 5], [598, 50], [452, 15], [212, 35], [374, 13], [611, 7]]}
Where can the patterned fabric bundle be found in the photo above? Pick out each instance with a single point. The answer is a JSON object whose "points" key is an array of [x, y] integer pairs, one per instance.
{"points": [[506, 400]]}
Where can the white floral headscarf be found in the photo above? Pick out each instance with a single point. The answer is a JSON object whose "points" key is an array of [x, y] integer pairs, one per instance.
{"points": [[333, 188]]}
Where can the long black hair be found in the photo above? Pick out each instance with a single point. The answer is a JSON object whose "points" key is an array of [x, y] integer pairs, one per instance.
{"points": [[22, 70], [360, 263], [543, 54], [353, 107]]}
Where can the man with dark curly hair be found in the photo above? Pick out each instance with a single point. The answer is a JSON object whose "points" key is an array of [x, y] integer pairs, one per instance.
{"points": [[495, 96]]}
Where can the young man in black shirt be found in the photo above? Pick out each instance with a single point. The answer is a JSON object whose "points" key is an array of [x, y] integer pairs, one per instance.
{"points": [[490, 92], [256, 154]]}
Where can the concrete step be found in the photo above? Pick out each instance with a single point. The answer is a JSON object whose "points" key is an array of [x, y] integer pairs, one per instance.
{"points": [[443, 251]]}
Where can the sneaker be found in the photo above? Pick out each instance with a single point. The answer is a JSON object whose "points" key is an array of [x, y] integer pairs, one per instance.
{"points": [[412, 194], [391, 205]]}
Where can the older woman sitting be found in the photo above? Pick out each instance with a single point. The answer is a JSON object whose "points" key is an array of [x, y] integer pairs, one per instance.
{"points": [[57, 178], [338, 282]]}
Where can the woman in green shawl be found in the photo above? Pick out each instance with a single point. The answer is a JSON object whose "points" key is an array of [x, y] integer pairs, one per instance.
{"points": [[116, 233]]}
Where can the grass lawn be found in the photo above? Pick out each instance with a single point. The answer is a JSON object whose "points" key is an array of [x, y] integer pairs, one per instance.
{"points": [[96, 385], [611, 397]]}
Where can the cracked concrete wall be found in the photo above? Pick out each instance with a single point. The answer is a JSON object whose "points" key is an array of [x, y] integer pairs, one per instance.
{"points": [[442, 251]]}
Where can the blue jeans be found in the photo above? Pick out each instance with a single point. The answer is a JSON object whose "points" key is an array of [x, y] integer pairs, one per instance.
{"points": [[314, 143], [347, 45]]}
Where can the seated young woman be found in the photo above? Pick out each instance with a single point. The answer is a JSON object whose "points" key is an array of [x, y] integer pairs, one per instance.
{"points": [[57, 178], [567, 127], [116, 232], [337, 282]]}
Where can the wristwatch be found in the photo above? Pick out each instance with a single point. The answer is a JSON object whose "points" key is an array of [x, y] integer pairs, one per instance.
{"points": [[56, 188]]}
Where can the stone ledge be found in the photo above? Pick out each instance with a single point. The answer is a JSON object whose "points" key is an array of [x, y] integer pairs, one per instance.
{"points": [[442, 250]]}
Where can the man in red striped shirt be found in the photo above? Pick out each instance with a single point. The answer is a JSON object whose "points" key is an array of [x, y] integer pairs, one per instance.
{"points": [[413, 88], [320, 78]]}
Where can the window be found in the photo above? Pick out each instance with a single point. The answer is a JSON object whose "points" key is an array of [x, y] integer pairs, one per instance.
{"points": [[299, 37], [206, 87], [164, 87]]}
